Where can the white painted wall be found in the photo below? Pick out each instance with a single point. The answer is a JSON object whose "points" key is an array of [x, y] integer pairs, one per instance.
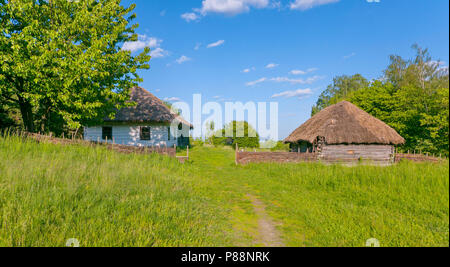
{"points": [[129, 135]]}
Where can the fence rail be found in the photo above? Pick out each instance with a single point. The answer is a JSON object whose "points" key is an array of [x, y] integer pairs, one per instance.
{"points": [[162, 150], [417, 158], [244, 158]]}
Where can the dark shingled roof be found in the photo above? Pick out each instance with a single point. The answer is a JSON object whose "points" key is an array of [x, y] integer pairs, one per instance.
{"points": [[148, 109], [345, 123]]}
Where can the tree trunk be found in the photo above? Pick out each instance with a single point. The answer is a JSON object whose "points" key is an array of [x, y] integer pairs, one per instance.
{"points": [[26, 111]]}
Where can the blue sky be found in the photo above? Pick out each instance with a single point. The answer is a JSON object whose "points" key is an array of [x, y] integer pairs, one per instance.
{"points": [[286, 51]]}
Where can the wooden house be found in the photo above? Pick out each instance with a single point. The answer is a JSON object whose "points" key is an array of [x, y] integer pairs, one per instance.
{"points": [[345, 133], [148, 123]]}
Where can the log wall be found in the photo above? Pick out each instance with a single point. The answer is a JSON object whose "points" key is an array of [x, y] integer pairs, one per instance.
{"points": [[345, 154], [353, 154]]}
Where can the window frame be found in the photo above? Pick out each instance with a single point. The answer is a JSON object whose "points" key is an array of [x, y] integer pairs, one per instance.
{"points": [[141, 135], [105, 135]]}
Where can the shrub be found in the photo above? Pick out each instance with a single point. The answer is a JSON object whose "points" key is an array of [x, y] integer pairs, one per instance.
{"points": [[250, 138]]}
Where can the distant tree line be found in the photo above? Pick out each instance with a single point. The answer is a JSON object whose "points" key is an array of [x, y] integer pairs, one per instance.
{"points": [[412, 96], [62, 66]]}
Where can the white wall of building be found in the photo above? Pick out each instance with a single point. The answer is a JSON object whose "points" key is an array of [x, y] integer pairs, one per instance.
{"points": [[130, 135]]}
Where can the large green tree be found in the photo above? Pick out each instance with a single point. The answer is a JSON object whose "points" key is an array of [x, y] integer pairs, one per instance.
{"points": [[62, 64], [413, 98], [341, 88]]}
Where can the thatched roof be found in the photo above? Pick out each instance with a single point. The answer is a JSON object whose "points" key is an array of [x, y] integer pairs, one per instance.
{"points": [[148, 109], [345, 123]]}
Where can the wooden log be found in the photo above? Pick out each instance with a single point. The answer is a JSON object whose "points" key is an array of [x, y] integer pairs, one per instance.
{"points": [[236, 154]]}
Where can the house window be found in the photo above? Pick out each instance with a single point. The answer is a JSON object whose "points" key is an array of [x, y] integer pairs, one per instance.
{"points": [[107, 133], [168, 131], [145, 134]]}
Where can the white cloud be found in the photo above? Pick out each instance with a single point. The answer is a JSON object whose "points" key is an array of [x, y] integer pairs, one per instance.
{"points": [[308, 4], [145, 41], [197, 46], [300, 93], [276, 5], [248, 70], [158, 53], [231, 7], [303, 72], [216, 44], [309, 80], [256, 82], [228, 7], [349, 56], [142, 42], [271, 66], [183, 59], [190, 16], [172, 99]]}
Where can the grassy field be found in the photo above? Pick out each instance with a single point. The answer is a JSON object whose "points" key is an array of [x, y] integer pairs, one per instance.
{"points": [[51, 193]]}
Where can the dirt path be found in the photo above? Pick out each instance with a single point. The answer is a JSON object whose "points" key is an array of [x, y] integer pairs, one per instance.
{"points": [[268, 234]]}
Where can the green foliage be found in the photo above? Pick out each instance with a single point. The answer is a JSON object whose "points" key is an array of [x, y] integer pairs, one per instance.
{"points": [[5, 120], [340, 89], [240, 133], [171, 107], [275, 145], [61, 61], [412, 98], [281, 146], [196, 142]]}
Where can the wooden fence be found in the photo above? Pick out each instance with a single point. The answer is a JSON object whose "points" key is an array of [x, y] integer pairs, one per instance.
{"points": [[244, 158], [162, 150], [417, 158]]}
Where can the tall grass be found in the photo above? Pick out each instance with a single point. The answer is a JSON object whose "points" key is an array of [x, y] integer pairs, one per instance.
{"points": [[51, 193], [317, 205]]}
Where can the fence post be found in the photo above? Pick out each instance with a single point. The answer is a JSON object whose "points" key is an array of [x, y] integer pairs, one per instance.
{"points": [[237, 154]]}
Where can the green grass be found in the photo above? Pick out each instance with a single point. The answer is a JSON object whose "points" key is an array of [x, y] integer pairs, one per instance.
{"points": [[51, 193]]}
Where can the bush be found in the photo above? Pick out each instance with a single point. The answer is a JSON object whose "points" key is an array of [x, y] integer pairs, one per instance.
{"points": [[250, 138]]}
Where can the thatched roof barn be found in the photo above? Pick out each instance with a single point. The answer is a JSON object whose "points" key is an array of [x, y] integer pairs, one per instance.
{"points": [[148, 123], [344, 131]]}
